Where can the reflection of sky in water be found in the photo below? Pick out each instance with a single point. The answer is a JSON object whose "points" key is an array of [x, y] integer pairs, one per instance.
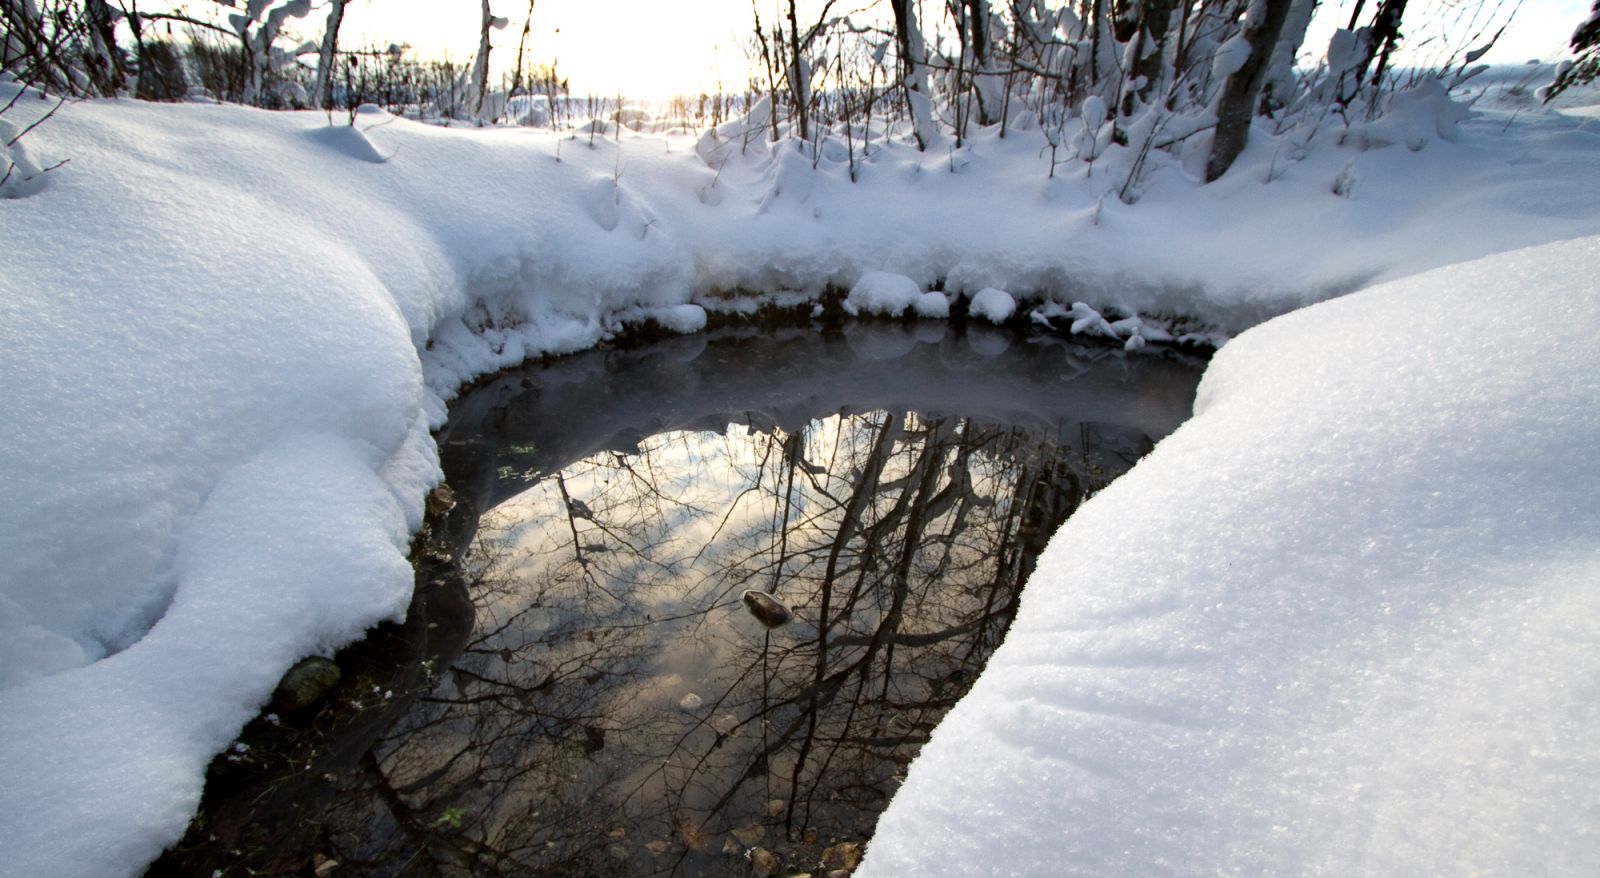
{"points": [[657, 717], [617, 710]]}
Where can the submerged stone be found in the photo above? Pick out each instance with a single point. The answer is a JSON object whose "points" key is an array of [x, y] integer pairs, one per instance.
{"points": [[440, 501], [844, 856], [764, 863], [767, 609]]}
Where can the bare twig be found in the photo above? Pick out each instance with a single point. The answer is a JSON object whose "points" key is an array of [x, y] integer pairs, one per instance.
{"points": [[36, 123]]}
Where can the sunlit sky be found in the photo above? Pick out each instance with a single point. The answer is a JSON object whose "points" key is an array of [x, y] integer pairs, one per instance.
{"points": [[643, 48], [655, 49]]}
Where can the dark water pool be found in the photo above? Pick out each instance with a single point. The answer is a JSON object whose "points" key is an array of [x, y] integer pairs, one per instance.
{"points": [[607, 704]]}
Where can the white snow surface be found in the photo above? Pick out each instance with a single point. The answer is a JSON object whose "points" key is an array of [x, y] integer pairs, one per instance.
{"points": [[932, 305], [224, 334], [995, 306], [1344, 621], [883, 293]]}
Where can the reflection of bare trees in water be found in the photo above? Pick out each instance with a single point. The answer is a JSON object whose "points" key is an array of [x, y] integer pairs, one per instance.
{"points": [[618, 712]]}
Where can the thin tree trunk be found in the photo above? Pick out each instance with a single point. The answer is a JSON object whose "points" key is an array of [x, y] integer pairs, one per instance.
{"points": [[1237, 103], [1386, 31], [913, 73], [1180, 57], [1355, 15], [1382, 35], [798, 86], [522, 48], [984, 79], [325, 57], [105, 69], [767, 63], [1279, 87], [480, 66], [1151, 54]]}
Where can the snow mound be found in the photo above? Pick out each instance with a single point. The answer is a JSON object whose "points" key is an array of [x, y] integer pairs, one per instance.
{"points": [[1415, 117], [296, 550], [1346, 620], [932, 305], [350, 141], [884, 293], [995, 306]]}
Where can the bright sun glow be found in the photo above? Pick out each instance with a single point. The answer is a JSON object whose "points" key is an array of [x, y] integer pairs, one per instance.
{"points": [[650, 50]]}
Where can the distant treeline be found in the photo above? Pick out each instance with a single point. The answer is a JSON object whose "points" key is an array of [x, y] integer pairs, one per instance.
{"points": [[1146, 76]]}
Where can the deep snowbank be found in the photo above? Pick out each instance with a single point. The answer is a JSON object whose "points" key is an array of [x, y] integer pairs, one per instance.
{"points": [[1345, 621], [225, 333]]}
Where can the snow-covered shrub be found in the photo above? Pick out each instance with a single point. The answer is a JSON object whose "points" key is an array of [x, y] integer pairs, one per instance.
{"points": [[162, 76], [20, 174], [66, 47], [1415, 117]]}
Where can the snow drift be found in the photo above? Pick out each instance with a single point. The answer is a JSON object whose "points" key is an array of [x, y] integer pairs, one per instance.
{"points": [[1346, 620]]}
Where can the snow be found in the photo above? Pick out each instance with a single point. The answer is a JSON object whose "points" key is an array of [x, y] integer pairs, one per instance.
{"points": [[995, 306], [1415, 117], [932, 305], [1230, 57], [227, 332], [22, 175], [1346, 620], [883, 293]]}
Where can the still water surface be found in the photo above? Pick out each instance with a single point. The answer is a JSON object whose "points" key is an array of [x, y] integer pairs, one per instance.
{"points": [[616, 708]]}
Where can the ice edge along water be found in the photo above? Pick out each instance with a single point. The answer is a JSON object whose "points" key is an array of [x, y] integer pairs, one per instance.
{"points": [[227, 335]]}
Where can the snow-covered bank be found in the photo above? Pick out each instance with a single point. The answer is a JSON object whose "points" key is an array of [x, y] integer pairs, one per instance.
{"points": [[1345, 621], [225, 332]]}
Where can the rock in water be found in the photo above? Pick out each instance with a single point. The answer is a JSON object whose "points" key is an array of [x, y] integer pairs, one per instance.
{"points": [[764, 863], [844, 856], [440, 501], [750, 836], [766, 608], [305, 684]]}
